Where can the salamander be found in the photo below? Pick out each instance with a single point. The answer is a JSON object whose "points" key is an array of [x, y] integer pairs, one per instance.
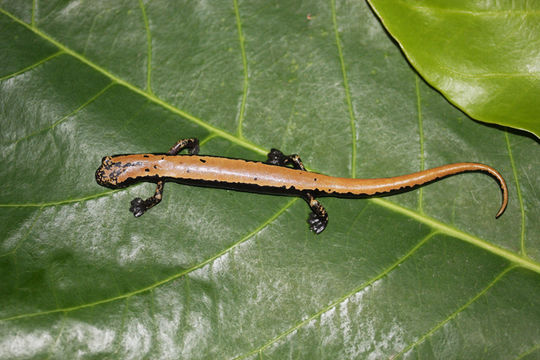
{"points": [[283, 174]]}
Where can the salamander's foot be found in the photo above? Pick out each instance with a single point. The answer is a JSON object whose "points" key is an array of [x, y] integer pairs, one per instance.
{"points": [[138, 207], [276, 157], [317, 223], [318, 219]]}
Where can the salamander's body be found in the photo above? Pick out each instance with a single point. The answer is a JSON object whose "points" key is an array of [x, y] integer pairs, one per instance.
{"points": [[272, 176], [238, 173]]}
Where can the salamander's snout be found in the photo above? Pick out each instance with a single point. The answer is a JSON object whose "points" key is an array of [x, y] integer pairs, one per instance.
{"points": [[105, 176], [100, 176]]}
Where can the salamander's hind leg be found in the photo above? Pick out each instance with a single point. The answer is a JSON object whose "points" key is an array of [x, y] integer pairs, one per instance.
{"points": [[191, 144], [276, 157], [139, 206], [318, 219]]}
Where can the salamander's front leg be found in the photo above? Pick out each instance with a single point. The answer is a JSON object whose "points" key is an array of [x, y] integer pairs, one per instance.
{"points": [[138, 205], [318, 219]]}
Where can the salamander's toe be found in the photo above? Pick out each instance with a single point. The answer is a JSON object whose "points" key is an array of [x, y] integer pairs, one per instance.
{"points": [[317, 223], [137, 207]]}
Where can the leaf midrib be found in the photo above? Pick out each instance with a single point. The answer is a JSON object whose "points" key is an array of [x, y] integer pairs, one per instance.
{"points": [[517, 259]]}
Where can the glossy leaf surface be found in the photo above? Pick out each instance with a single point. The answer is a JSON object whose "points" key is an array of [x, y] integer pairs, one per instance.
{"points": [[484, 56], [212, 273]]}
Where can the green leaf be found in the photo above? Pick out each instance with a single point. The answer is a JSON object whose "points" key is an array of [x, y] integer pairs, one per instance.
{"points": [[212, 273], [482, 56]]}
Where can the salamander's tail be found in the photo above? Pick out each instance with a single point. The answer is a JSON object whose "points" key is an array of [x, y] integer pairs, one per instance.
{"points": [[497, 176]]}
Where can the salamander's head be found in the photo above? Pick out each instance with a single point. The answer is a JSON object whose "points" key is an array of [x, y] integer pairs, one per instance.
{"points": [[107, 173]]}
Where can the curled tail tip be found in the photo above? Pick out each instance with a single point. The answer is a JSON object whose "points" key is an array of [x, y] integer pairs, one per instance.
{"points": [[500, 180], [504, 189], [503, 205], [502, 185]]}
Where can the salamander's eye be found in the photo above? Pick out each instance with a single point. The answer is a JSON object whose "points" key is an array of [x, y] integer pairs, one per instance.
{"points": [[107, 161]]}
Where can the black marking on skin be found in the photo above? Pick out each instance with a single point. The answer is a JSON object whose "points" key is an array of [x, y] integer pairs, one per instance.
{"points": [[147, 170], [155, 167], [350, 195], [146, 156], [202, 160], [255, 179]]}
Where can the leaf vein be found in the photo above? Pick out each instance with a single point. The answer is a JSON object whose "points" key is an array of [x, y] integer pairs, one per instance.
{"points": [[34, 9], [60, 202], [528, 352], [421, 136], [519, 196], [335, 303], [241, 40], [58, 122], [33, 66], [163, 281], [346, 86], [149, 48], [455, 313]]}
